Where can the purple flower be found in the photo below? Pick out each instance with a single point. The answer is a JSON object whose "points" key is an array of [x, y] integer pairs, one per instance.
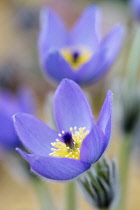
{"points": [[79, 54], [135, 7], [11, 103], [79, 142]]}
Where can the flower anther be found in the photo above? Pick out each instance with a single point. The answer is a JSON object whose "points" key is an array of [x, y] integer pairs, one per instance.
{"points": [[69, 143]]}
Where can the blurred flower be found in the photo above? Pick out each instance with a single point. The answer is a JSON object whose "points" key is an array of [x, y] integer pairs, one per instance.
{"points": [[135, 7], [79, 54], [10, 103], [101, 184], [79, 142]]}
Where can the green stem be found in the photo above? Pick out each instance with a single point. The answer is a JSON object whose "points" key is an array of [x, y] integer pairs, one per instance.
{"points": [[124, 160], [43, 193], [133, 62], [71, 196]]}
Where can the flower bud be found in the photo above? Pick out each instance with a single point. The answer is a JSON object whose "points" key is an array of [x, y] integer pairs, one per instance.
{"points": [[100, 184]]}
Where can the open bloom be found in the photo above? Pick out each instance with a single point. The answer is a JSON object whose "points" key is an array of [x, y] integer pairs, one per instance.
{"points": [[10, 103], [79, 142], [79, 54], [135, 7]]}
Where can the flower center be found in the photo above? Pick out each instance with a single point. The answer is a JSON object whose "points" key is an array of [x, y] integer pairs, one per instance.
{"points": [[67, 139], [69, 143], [76, 57]]}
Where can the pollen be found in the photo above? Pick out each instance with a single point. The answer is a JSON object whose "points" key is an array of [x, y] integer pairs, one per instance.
{"points": [[76, 57], [62, 149]]}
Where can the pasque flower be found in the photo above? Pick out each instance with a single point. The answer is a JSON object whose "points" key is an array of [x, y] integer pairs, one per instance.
{"points": [[10, 103], [79, 141], [79, 54], [135, 7]]}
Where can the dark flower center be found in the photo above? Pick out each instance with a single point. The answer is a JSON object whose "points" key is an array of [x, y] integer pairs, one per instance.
{"points": [[75, 56], [68, 140]]}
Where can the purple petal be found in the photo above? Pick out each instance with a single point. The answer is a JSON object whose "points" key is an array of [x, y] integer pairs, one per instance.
{"points": [[94, 69], [71, 107], [52, 34], [104, 120], [8, 137], [93, 146], [55, 168], [86, 30], [26, 100], [135, 7], [57, 68], [34, 133], [9, 105], [96, 142], [89, 71], [113, 41]]}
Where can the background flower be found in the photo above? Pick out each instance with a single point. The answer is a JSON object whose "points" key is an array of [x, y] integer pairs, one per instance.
{"points": [[11, 103], [135, 7], [79, 54]]}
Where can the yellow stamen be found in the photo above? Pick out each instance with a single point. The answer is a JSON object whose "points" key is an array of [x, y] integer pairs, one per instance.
{"points": [[62, 150], [83, 57]]}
